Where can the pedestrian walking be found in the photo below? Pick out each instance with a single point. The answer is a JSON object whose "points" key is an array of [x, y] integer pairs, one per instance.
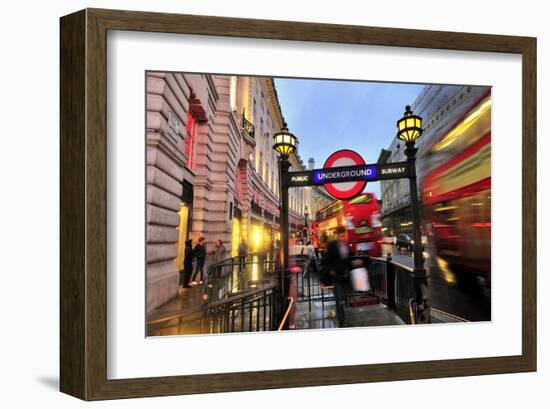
{"points": [[336, 262], [277, 254], [187, 263], [312, 256], [200, 256]]}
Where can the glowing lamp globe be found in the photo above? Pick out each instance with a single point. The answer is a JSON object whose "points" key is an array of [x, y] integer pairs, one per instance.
{"points": [[284, 142], [409, 127]]}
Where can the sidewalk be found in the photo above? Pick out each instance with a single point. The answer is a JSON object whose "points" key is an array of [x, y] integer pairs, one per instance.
{"points": [[183, 314]]}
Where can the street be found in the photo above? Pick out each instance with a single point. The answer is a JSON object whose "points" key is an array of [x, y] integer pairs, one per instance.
{"points": [[460, 294]]}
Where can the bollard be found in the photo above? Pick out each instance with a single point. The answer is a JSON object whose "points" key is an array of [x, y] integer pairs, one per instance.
{"points": [[293, 293]]}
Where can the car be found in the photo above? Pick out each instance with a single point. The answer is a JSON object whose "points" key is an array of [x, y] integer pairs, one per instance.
{"points": [[404, 241]]}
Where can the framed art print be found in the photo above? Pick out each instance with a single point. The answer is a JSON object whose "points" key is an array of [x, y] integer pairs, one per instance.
{"points": [[252, 204]]}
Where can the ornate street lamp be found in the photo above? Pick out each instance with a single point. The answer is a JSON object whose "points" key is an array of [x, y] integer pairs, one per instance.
{"points": [[285, 144], [409, 129]]}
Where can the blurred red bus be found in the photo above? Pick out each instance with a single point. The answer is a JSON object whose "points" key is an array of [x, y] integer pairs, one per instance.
{"points": [[457, 194], [360, 217]]}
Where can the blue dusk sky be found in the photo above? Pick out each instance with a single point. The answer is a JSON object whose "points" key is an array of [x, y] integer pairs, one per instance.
{"points": [[328, 115]]}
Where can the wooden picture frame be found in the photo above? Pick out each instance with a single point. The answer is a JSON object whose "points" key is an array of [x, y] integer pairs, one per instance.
{"points": [[83, 96]]}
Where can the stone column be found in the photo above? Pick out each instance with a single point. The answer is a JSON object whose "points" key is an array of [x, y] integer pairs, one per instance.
{"points": [[167, 106]]}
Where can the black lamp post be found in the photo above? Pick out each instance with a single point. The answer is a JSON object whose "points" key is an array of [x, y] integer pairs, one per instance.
{"points": [[409, 129], [285, 144], [306, 214]]}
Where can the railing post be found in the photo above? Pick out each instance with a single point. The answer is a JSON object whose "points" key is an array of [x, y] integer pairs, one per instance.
{"points": [[309, 288], [390, 282]]}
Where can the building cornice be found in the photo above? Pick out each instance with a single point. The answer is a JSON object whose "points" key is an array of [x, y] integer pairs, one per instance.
{"points": [[273, 100], [165, 144], [212, 87]]}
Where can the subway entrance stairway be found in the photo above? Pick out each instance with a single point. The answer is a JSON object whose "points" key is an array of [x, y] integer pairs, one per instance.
{"points": [[243, 295]]}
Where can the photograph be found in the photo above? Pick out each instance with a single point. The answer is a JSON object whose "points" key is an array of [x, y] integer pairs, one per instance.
{"points": [[233, 204], [288, 204]]}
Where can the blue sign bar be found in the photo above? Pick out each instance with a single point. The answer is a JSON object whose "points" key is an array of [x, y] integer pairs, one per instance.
{"points": [[369, 173], [344, 174]]}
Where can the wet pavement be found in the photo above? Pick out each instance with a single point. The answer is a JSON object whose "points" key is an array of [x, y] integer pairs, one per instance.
{"points": [[455, 295], [323, 315], [182, 315]]}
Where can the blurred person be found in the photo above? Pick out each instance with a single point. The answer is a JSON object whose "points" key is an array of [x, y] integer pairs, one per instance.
{"points": [[312, 256], [277, 253], [242, 252], [336, 262], [271, 250], [219, 252], [200, 256]]}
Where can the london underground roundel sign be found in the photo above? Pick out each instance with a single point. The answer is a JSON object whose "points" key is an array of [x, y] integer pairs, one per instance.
{"points": [[344, 190]]}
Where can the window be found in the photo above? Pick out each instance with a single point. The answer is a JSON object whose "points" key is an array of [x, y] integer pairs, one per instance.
{"points": [[233, 93], [191, 128], [254, 113], [267, 147], [261, 165]]}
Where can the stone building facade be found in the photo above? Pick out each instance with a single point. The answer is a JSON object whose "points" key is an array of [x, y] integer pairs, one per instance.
{"points": [[440, 106], [211, 170]]}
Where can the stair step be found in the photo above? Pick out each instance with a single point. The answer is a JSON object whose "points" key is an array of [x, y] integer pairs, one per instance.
{"points": [[363, 300]]}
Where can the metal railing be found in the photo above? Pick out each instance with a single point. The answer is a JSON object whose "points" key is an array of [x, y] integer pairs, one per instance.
{"points": [[256, 310], [242, 295], [248, 127], [287, 313], [308, 283], [393, 283], [239, 274]]}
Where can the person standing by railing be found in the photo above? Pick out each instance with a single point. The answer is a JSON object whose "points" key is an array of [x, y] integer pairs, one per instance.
{"points": [[242, 252], [200, 257], [218, 255], [219, 252], [187, 263]]}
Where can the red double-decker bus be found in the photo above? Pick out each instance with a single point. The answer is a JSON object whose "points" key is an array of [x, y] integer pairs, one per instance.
{"points": [[457, 193], [360, 217]]}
